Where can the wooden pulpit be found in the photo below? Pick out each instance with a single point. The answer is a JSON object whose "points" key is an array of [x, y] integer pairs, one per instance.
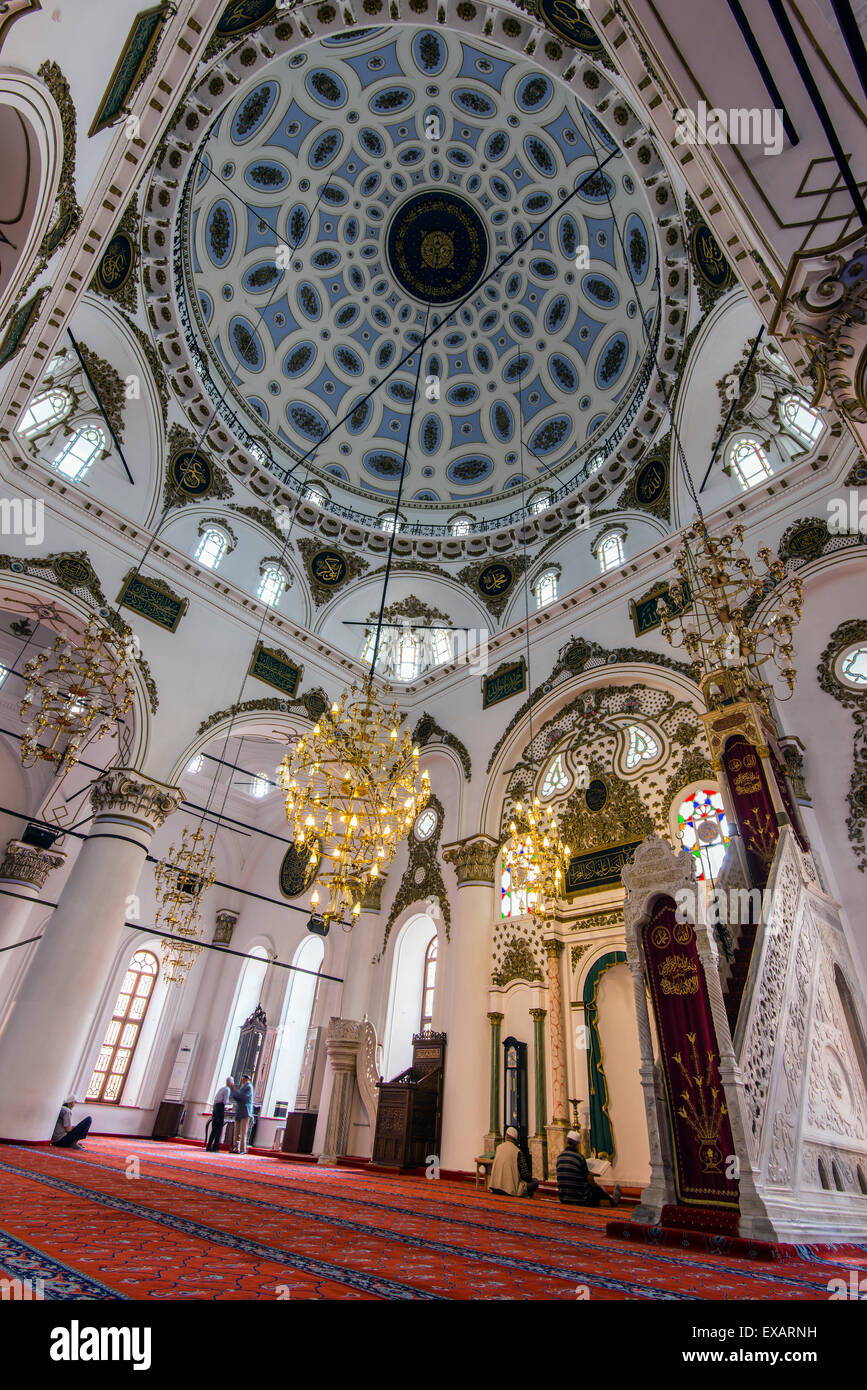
{"points": [[409, 1115]]}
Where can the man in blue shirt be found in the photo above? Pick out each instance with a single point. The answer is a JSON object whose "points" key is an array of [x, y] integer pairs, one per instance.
{"points": [[243, 1098]]}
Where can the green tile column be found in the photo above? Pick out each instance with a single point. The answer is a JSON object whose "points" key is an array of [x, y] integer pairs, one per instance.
{"points": [[539, 1140], [493, 1134]]}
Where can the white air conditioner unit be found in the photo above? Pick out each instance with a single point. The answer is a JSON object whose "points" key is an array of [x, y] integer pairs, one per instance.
{"points": [[176, 1089]]}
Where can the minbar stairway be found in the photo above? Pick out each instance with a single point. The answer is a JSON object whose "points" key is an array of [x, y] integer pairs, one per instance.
{"points": [[739, 969]]}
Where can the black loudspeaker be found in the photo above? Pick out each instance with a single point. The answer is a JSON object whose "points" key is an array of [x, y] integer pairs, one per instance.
{"points": [[318, 926], [39, 837]]}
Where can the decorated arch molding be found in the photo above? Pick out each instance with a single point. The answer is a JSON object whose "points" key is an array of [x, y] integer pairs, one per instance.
{"points": [[848, 633]]}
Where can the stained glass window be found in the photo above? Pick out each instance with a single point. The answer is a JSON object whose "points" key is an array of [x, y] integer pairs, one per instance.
{"points": [[516, 896], [802, 420], [556, 778], [853, 666], [642, 748], [427, 993], [45, 411], [703, 830], [78, 454], [122, 1034], [426, 824], [749, 462]]}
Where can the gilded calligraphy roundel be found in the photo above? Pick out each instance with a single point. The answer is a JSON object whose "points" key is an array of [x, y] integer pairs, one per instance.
{"points": [[296, 873], [660, 937], [708, 256], [328, 567], [651, 482], [495, 580], [567, 20], [241, 15], [116, 265], [437, 247], [190, 472]]}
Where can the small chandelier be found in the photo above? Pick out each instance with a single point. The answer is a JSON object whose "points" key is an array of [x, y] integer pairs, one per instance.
{"points": [[181, 879], [83, 686], [537, 856], [353, 790], [711, 612]]}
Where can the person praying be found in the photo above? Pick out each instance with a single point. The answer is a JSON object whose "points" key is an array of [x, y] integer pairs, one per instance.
{"points": [[510, 1171], [576, 1185], [67, 1135]]}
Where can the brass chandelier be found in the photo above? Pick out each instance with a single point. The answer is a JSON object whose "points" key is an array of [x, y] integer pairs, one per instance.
{"points": [[353, 790], [711, 616], [537, 856], [181, 879], [75, 692]]}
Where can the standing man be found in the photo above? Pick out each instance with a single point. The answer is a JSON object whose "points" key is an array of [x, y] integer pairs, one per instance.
{"points": [[218, 1118], [243, 1099], [576, 1185]]}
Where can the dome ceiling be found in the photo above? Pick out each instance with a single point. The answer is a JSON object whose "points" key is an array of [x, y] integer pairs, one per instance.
{"points": [[365, 183]]}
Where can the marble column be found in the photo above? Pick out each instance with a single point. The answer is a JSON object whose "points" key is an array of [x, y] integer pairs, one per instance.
{"points": [[465, 980], [660, 1191], [46, 1024], [559, 1126], [493, 1136], [538, 1142], [341, 1045], [23, 872]]}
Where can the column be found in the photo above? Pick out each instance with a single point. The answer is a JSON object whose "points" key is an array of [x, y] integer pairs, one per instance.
{"points": [[341, 1046], [46, 1026], [467, 978], [538, 1143], [559, 1126], [363, 944], [23, 872], [660, 1190], [493, 1136]]}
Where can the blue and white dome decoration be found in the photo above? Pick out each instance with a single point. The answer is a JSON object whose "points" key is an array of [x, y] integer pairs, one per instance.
{"points": [[359, 178]]}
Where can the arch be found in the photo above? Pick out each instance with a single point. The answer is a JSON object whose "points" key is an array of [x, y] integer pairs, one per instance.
{"points": [[31, 136], [601, 1132], [111, 1072], [251, 977], [405, 991], [298, 1005]]}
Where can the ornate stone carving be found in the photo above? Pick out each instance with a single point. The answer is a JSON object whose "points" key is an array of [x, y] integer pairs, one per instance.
{"points": [[126, 792], [518, 963], [366, 1075], [226, 919], [28, 864], [427, 732], [474, 859], [855, 630], [311, 704], [355, 567], [372, 900], [342, 1040]]}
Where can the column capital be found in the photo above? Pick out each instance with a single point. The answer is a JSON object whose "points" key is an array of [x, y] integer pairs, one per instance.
{"points": [[28, 864], [496, 1018], [475, 859], [553, 948], [538, 1014], [126, 793]]}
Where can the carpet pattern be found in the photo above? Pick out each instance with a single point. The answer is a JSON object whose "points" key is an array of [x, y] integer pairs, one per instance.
{"points": [[137, 1219]]}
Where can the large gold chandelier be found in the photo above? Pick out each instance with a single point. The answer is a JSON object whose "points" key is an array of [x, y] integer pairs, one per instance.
{"points": [[353, 790], [76, 691], [181, 879], [537, 857], [711, 616]]}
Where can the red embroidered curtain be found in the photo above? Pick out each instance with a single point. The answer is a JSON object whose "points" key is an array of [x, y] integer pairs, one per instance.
{"points": [[700, 1129], [753, 808]]}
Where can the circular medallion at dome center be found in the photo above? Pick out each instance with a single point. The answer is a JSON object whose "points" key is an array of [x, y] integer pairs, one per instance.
{"points": [[437, 247]]}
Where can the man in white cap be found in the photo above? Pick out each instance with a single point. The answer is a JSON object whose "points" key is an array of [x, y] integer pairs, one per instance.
{"points": [[67, 1135], [576, 1185], [510, 1171]]}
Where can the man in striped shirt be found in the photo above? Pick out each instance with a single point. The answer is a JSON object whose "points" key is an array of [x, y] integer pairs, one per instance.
{"points": [[575, 1182]]}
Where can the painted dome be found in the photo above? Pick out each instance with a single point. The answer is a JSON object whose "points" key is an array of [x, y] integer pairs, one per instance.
{"points": [[365, 190]]}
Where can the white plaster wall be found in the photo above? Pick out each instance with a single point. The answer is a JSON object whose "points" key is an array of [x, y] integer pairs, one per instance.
{"points": [[618, 1034]]}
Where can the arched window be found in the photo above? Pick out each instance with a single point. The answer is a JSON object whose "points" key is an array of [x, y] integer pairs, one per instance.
{"points": [[540, 502], [610, 552], [272, 586], [4, 672], [407, 991], [595, 461], [408, 663], [427, 989], [297, 1013], [749, 462], [440, 646], [313, 493], [460, 526], [388, 524], [252, 977], [805, 423], [545, 588], [556, 778], [45, 411], [703, 830], [211, 548], [641, 747], [260, 785], [122, 1035], [195, 765], [78, 454]]}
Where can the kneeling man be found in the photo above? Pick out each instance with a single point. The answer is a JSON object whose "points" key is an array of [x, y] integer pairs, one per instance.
{"points": [[510, 1171], [576, 1185]]}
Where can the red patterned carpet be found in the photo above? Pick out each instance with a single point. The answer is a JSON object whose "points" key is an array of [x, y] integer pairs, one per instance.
{"points": [[136, 1219]]}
